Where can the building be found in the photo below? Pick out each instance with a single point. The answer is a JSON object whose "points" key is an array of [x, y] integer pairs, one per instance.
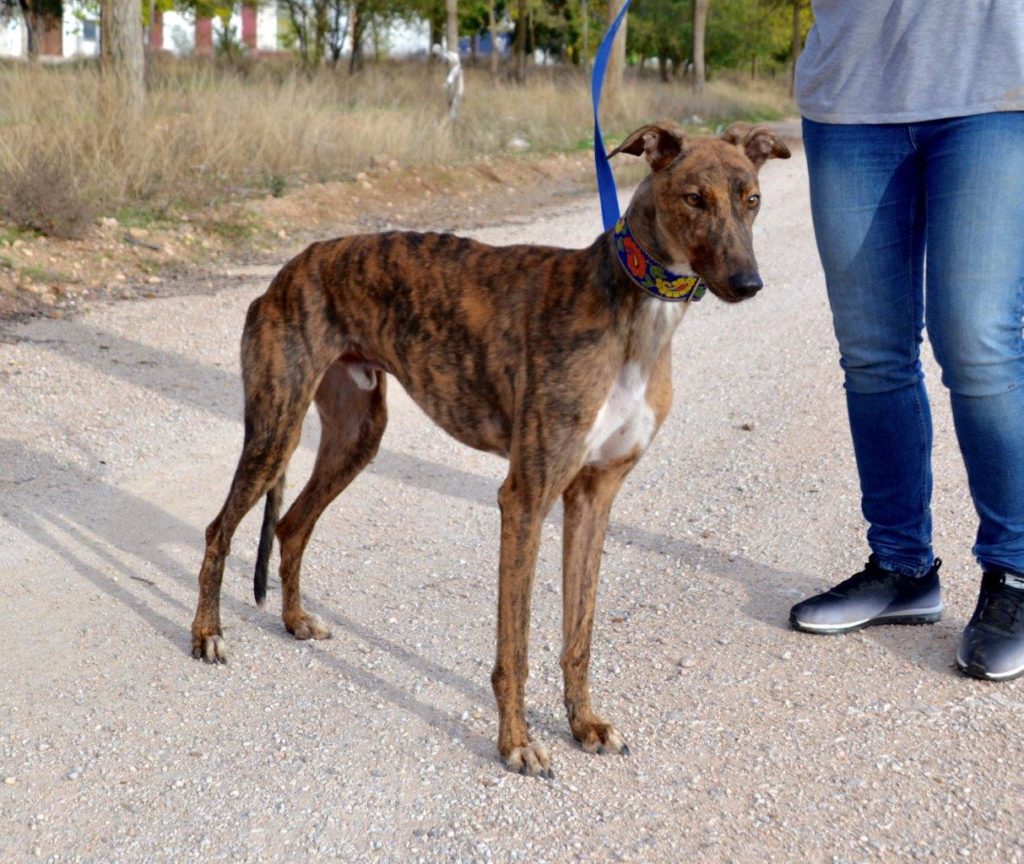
{"points": [[78, 34], [259, 29]]}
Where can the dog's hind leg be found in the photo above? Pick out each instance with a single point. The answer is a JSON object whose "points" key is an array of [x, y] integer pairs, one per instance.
{"points": [[276, 399], [587, 503], [353, 415]]}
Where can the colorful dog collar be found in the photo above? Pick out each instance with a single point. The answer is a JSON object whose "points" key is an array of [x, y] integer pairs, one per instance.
{"points": [[649, 274]]}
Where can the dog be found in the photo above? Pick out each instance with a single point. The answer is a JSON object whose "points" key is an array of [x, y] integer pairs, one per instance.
{"points": [[558, 359]]}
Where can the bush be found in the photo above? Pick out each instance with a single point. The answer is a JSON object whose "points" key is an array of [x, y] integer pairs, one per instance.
{"points": [[48, 195]]}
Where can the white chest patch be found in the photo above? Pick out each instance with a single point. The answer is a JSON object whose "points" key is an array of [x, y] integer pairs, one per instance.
{"points": [[625, 420]]}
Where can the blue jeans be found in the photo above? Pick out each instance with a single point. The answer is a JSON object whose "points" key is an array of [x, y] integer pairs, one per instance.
{"points": [[886, 198]]}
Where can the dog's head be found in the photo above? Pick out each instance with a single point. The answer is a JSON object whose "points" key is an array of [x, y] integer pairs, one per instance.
{"points": [[698, 204]]}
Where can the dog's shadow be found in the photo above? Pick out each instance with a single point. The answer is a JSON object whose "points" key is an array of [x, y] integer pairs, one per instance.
{"points": [[91, 514]]}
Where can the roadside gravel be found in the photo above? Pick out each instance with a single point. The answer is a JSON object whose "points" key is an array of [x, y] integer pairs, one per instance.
{"points": [[118, 435]]}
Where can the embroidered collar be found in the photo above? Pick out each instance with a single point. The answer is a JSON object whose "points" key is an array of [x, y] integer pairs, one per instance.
{"points": [[649, 274]]}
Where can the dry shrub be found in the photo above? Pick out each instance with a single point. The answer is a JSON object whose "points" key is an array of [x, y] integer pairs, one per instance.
{"points": [[49, 194], [211, 134]]}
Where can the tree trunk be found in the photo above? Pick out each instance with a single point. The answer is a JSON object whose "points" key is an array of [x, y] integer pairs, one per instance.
{"points": [[451, 8], [321, 28], [355, 60], [795, 45], [611, 92], [520, 46], [585, 22], [700, 20], [31, 29], [492, 27], [532, 47], [121, 64]]}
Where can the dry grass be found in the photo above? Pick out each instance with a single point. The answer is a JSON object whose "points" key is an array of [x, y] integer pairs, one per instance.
{"points": [[212, 135]]}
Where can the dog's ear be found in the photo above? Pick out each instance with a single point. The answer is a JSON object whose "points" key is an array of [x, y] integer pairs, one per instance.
{"points": [[758, 142], [660, 142]]}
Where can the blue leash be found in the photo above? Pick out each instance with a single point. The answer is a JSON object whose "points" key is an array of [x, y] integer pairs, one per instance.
{"points": [[605, 179]]}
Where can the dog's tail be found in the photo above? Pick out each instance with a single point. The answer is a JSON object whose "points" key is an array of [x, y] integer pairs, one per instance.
{"points": [[270, 514]]}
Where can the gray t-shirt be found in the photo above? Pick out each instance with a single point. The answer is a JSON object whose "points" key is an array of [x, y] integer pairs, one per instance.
{"points": [[904, 61]]}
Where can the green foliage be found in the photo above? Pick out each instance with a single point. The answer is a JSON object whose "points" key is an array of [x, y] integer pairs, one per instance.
{"points": [[143, 215], [661, 29], [232, 230], [740, 33]]}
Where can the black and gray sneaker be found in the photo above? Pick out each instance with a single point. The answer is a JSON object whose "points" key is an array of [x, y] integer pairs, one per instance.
{"points": [[993, 641], [873, 596]]}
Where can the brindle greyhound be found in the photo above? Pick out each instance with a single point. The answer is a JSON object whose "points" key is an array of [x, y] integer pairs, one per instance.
{"points": [[554, 358]]}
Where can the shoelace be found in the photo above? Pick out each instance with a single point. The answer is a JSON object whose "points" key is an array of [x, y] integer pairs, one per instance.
{"points": [[870, 575], [1001, 607]]}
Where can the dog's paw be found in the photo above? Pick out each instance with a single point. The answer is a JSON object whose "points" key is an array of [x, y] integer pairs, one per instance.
{"points": [[598, 737], [211, 648], [307, 626], [533, 759]]}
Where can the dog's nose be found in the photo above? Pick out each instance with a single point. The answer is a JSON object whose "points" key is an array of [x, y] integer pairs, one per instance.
{"points": [[746, 284]]}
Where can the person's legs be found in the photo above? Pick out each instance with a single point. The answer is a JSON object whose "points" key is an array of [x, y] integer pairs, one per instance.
{"points": [[867, 203], [867, 200], [975, 311]]}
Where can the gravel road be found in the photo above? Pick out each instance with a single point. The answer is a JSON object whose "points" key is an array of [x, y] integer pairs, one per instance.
{"points": [[750, 742]]}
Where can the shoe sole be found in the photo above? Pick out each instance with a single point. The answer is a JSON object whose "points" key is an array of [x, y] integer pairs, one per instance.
{"points": [[975, 670], [929, 616]]}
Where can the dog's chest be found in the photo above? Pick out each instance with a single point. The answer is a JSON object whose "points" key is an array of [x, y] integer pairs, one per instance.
{"points": [[625, 422]]}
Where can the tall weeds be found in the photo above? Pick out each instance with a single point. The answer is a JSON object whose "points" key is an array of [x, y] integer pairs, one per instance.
{"points": [[211, 134]]}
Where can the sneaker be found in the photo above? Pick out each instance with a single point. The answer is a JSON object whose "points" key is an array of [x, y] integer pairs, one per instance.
{"points": [[993, 641], [873, 596]]}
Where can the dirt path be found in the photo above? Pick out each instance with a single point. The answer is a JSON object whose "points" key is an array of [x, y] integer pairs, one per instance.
{"points": [[118, 434]]}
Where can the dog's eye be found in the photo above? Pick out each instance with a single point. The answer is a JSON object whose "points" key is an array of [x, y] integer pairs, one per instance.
{"points": [[693, 199], [753, 201]]}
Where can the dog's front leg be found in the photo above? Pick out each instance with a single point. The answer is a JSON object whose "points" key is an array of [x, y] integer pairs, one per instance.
{"points": [[588, 502], [521, 518]]}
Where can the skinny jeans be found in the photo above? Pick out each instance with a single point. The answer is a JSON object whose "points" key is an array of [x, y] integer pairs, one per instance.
{"points": [[921, 225]]}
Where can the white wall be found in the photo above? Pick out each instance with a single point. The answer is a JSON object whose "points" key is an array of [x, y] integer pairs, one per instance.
{"points": [[12, 38], [75, 32]]}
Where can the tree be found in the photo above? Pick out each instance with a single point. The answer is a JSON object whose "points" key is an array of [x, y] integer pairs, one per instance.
{"points": [[492, 28], [121, 64], [798, 32], [519, 48], [700, 20], [662, 29], [310, 23], [451, 8]]}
